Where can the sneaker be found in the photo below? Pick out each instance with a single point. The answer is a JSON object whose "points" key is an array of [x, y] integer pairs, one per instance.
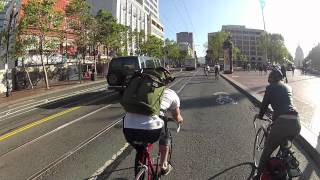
{"points": [[166, 171]]}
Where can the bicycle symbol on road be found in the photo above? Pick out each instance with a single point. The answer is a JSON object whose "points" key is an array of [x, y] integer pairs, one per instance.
{"points": [[224, 98]]}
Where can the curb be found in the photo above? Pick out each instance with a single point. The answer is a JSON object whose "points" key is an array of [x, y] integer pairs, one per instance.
{"points": [[307, 147], [51, 92]]}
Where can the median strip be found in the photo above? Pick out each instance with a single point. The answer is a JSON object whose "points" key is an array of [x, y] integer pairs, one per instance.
{"points": [[28, 126]]}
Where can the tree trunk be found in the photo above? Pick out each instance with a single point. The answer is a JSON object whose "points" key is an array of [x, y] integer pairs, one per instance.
{"points": [[28, 75], [42, 61]]}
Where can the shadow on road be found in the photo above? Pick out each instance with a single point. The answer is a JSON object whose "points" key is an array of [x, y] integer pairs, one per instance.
{"points": [[250, 164], [102, 97]]}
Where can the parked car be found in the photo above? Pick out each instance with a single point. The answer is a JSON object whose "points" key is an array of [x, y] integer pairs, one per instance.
{"points": [[121, 69]]}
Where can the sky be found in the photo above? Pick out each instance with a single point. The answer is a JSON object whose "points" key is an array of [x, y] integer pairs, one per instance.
{"points": [[297, 20]]}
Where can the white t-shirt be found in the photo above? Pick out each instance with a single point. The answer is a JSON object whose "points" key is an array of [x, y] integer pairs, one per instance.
{"points": [[170, 101]]}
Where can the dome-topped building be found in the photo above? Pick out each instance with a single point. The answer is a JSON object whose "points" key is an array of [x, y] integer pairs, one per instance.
{"points": [[298, 57]]}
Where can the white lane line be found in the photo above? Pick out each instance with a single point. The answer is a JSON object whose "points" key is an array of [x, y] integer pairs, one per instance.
{"points": [[109, 162], [117, 154], [176, 82], [183, 86]]}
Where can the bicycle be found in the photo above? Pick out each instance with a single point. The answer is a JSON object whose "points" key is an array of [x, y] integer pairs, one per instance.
{"points": [[284, 160], [147, 169]]}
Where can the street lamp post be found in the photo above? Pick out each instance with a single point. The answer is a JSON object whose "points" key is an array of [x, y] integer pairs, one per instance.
{"points": [[8, 92], [263, 4]]}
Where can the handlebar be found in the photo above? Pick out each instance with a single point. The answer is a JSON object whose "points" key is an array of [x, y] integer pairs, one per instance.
{"points": [[263, 119], [168, 119]]}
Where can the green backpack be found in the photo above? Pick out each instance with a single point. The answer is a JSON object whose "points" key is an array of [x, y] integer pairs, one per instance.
{"points": [[144, 92]]}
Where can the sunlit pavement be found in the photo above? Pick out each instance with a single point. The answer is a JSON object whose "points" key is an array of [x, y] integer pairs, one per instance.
{"points": [[306, 96]]}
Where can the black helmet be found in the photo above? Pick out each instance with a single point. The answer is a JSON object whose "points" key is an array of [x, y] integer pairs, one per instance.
{"points": [[275, 75]]}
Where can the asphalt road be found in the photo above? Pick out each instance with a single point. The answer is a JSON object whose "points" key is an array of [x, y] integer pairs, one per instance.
{"points": [[81, 136]]}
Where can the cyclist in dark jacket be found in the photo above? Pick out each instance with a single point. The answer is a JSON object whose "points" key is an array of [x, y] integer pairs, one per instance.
{"points": [[285, 117]]}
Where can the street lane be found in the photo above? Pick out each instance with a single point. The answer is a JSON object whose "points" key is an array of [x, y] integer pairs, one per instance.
{"points": [[215, 141]]}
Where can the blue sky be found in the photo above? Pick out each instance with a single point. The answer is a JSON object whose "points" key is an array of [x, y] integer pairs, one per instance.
{"points": [[296, 20]]}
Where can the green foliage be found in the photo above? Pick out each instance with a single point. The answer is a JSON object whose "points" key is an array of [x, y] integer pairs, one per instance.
{"points": [[276, 49], [172, 50], [215, 45], [79, 21], [1, 6], [314, 57], [152, 47], [42, 18]]}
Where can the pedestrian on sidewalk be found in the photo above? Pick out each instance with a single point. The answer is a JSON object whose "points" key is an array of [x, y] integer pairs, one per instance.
{"points": [[293, 68], [260, 69], [284, 73], [265, 69]]}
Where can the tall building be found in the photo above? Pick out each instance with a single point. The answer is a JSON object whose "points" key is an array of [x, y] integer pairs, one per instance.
{"points": [[151, 7], [186, 37], [299, 57], [137, 14], [247, 41]]}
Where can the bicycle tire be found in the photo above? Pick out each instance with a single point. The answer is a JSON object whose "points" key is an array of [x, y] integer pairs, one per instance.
{"points": [[258, 145]]}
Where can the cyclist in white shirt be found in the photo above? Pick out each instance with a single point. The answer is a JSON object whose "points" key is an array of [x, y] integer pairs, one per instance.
{"points": [[149, 129]]}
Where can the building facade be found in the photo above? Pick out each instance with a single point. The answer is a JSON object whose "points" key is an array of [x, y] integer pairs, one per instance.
{"points": [[140, 15], [247, 41], [186, 37], [299, 57]]}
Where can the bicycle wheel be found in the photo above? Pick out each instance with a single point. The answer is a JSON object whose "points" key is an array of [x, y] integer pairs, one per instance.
{"points": [[143, 173], [258, 145]]}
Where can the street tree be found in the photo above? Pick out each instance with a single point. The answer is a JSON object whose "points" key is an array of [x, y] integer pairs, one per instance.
{"points": [[79, 21], [42, 20], [153, 46], [276, 49], [139, 38], [109, 32], [21, 49], [314, 57], [172, 51], [215, 44]]}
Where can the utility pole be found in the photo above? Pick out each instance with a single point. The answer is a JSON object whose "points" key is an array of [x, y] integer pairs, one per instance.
{"points": [[263, 4], [6, 66]]}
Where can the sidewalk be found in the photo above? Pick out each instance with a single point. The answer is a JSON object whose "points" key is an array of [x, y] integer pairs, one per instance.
{"points": [[23, 95], [305, 97]]}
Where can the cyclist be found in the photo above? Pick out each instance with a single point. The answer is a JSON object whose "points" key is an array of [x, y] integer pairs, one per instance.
{"points": [[285, 117], [139, 128]]}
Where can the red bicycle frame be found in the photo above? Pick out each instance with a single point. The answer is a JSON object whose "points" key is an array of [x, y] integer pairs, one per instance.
{"points": [[149, 163]]}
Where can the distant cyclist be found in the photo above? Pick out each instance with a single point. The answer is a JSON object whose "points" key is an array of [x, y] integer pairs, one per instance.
{"points": [[216, 70], [149, 129], [286, 125]]}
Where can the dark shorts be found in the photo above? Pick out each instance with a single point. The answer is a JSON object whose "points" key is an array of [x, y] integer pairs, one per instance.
{"points": [[139, 137]]}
